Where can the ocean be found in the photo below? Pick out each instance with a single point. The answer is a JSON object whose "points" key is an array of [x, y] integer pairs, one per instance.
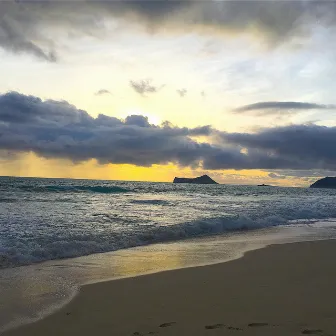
{"points": [[45, 219], [58, 234]]}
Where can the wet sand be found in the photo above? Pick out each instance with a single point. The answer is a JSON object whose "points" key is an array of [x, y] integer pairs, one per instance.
{"points": [[279, 290]]}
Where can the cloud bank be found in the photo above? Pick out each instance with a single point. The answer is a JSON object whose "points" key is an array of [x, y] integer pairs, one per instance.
{"points": [[57, 129], [302, 143], [275, 106], [35, 26]]}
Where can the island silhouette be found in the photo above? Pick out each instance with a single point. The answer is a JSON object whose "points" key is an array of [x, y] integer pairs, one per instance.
{"points": [[204, 179], [326, 182]]}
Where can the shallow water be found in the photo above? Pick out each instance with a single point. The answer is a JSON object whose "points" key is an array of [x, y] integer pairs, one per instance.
{"points": [[31, 292]]}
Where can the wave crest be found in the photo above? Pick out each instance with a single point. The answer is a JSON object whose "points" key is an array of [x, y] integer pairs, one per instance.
{"points": [[63, 246]]}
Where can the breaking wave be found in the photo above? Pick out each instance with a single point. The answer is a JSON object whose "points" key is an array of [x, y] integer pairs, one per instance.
{"points": [[63, 246]]}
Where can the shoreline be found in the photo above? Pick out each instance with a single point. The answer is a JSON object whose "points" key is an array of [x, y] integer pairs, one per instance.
{"points": [[77, 317], [123, 264], [76, 291]]}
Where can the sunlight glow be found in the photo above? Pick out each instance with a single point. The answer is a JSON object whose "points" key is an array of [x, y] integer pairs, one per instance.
{"points": [[152, 118]]}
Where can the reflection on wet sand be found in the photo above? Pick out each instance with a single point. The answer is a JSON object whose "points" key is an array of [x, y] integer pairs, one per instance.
{"points": [[29, 292]]}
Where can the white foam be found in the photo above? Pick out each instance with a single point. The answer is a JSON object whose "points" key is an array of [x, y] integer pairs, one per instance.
{"points": [[83, 244]]}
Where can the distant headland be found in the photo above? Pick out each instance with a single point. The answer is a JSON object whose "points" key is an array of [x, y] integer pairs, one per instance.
{"points": [[204, 179], [326, 182]]}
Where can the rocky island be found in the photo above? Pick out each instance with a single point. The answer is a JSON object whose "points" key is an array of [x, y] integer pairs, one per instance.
{"points": [[204, 179], [326, 182]]}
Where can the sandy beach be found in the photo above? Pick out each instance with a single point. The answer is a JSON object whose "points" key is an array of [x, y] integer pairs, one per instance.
{"points": [[279, 290]]}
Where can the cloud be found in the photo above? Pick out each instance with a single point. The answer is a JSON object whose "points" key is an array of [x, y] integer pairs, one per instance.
{"points": [[273, 107], [36, 27], [19, 31], [102, 92], [144, 86], [307, 146], [312, 173], [137, 120], [13, 40], [276, 176], [57, 129], [182, 92]]}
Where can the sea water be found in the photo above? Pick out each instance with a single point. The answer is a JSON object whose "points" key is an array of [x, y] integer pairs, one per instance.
{"points": [[150, 227]]}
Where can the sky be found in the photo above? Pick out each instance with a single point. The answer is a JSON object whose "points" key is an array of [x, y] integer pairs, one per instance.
{"points": [[243, 91]]}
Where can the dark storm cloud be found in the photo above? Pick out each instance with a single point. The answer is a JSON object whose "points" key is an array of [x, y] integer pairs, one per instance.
{"points": [[13, 40], [21, 109], [102, 92], [232, 158], [310, 146], [35, 26], [276, 106], [59, 130], [152, 10]]}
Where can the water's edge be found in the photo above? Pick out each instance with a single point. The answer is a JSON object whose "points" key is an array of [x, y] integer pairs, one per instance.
{"points": [[77, 291], [212, 245]]}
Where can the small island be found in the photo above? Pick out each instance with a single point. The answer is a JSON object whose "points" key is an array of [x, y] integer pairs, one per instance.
{"points": [[204, 179], [326, 182], [264, 185]]}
